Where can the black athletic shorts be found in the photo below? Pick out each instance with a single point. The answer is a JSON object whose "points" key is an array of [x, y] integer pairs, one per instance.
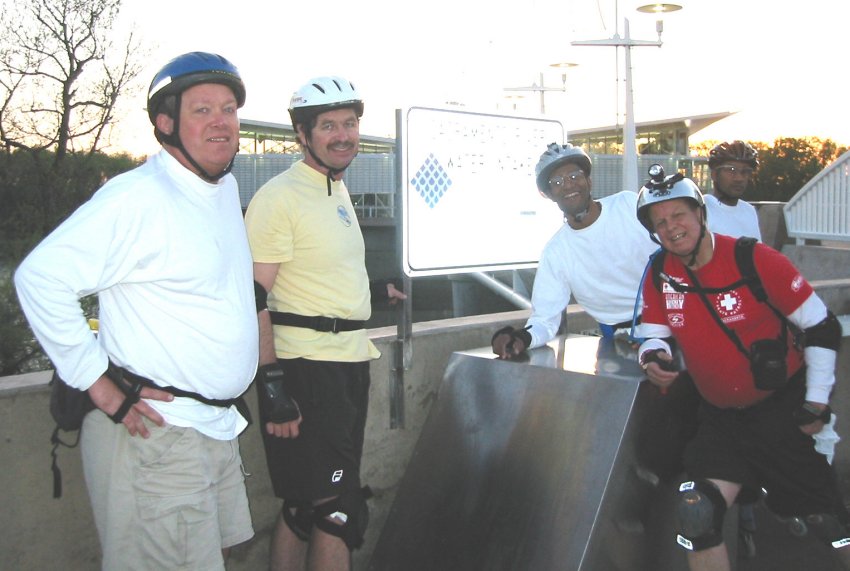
{"points": [[324, 460], [763, 447]]}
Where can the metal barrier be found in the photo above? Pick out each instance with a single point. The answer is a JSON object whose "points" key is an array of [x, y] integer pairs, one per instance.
{"points": [[821, 209], [564, 462]]}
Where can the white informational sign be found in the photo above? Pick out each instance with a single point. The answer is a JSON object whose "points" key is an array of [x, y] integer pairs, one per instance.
{"points": [[469, 198]]}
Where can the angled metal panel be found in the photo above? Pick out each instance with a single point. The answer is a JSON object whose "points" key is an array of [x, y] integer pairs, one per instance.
{"points": [[534, 465]]}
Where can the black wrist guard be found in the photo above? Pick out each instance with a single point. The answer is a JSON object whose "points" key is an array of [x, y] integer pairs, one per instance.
{"points": [[275, 405], [808, 414], [261, 297], [132, 392], [521, 334], [653, 357]]}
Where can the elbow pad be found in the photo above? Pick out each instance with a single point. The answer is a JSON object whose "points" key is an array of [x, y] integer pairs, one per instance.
{"points": [[261, 296], [826, 334]]}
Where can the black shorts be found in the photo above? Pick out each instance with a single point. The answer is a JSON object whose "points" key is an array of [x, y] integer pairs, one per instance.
{"points": [[763, 447], [324, 460]]}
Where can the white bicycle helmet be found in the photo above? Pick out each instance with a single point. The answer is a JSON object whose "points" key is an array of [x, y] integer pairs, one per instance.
{"points": [[323, 94], [556, 155], [661, 189]]}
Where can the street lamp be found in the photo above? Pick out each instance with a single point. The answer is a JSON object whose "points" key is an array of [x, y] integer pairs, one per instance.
{"points": [[630, 174], [659, 8], [542, 89]]}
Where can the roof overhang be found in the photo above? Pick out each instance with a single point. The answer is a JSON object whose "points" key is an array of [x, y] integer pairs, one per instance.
{"points": [[693, 123]]}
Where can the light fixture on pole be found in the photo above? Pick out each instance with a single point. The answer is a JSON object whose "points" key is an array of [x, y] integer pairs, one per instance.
{"points": [[514, 99], [630, 174], [658, 8], [564, 66], [542, 89]]}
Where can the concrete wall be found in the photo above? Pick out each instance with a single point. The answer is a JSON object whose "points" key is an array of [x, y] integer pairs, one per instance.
{"points": [[40, 532]]}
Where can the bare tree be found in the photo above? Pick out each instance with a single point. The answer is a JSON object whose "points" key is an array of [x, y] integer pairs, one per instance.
{"points": [[61, 74]]}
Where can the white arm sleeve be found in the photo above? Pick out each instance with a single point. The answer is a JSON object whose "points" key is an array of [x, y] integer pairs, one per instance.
{"points": [[820, 361]]}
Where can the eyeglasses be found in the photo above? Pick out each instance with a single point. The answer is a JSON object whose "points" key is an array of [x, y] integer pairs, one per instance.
{"points": [[745, 172], [559, 182]]}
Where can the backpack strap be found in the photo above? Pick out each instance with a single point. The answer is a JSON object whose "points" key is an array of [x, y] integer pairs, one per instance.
{"points": [[657, 266], [744, 247]]}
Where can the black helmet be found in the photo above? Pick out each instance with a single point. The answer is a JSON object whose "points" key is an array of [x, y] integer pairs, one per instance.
{"points": [[192, 69], [734, 151]]}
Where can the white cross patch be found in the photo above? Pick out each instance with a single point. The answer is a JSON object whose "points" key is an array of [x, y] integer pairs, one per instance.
{"points": [[728, 302]]}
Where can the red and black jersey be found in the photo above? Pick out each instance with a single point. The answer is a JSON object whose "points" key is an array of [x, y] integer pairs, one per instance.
{"points": [[719, 369]]}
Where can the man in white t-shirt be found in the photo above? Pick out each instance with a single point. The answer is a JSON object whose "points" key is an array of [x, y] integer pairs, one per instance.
{"points": [[732, 167]]}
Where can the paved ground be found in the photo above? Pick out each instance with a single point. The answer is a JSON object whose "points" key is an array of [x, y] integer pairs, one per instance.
{"points": [[778, 550]]}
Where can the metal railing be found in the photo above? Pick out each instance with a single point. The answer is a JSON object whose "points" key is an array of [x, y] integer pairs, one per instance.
{"points": [[821, 209]]}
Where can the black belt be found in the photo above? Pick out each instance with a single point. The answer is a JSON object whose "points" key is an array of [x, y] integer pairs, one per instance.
{"points": [[316, 322], [145, 382]]}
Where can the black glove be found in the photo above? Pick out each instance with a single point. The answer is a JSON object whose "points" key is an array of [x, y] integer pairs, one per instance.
{"points": [[275, 405], [522, 334], [808, 414], [653, 357]]}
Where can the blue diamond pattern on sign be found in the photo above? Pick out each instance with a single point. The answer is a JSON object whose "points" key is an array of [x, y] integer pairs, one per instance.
{"points": [[431, 181]]}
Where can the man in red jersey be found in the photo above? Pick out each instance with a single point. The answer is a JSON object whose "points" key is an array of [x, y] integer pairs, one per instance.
{"points": [[764, 394]]}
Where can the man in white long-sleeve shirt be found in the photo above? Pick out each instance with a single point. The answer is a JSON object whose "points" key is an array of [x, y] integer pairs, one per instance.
{"points": [[598, 256], [732, 167], [164, 248]]}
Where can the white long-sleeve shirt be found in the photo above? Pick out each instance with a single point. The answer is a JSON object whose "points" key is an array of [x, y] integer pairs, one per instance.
{"points": [[601, 266], [168, 256], [736, 221]]}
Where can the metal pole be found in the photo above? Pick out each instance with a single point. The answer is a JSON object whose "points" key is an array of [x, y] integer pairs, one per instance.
{"points": [[501, 289], [630, 168]]}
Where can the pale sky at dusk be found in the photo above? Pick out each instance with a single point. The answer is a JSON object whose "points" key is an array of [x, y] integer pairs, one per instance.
{"points": [[781, 67]]}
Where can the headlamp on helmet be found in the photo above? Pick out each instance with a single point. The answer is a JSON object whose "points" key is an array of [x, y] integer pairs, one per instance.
{"points": [[661, 188]]}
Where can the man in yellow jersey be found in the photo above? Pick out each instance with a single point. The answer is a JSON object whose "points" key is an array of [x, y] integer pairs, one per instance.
{"points": [[309, 256]]}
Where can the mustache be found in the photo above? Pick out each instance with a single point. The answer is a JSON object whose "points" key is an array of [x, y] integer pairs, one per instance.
{"points": [[342, 146]]}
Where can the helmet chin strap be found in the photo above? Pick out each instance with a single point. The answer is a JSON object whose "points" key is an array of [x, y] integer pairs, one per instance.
{"points": [[332, 172], [174, 140], [580, 216], [693, 254]]}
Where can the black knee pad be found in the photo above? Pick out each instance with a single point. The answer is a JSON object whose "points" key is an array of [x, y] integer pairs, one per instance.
{"points": [[701, 508], [298, 516], [350, 516]]}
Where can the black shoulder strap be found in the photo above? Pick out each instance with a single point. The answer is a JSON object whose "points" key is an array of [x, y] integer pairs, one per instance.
{"points": [[657, 263], [744, 247]]}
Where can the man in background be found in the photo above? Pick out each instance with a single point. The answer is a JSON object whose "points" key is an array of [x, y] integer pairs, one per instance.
{"points": [[732, 166]]}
